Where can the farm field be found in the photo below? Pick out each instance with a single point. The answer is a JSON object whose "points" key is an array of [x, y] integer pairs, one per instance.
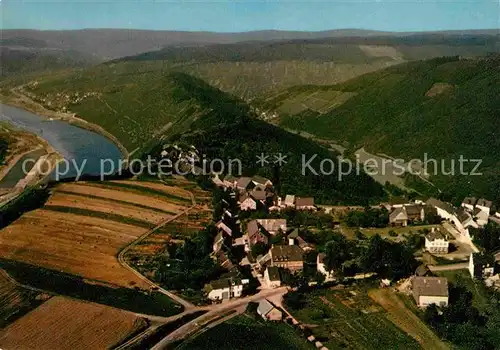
{"points": [[405, 319], [348, 319], [63, 323], [297, 100], [83, 226], [243, 332], [15, 301], [184, 226]]}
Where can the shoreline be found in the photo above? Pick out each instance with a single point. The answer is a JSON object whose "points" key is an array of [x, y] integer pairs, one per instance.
{"points": [[21, 101]]}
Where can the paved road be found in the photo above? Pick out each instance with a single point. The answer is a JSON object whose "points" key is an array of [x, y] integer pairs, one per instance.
{"points": [[215, 312]]}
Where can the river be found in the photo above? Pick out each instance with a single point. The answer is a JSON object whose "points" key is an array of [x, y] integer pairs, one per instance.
{"points": [[80, 147]]}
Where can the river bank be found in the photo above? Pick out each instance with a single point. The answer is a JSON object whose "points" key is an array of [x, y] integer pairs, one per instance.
{"points": [[20, 100]]}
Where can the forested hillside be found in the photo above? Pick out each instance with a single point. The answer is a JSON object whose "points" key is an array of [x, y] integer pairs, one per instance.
{"points": [[22, 61], [146, 108], [445, 107]]}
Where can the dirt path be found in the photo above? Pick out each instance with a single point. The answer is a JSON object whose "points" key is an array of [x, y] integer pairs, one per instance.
{"points": [[121, 258], [406, 320]]}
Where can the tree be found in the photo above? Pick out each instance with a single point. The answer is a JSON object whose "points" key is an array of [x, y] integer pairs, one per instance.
{"points": [[259, 248], [337, 251]]}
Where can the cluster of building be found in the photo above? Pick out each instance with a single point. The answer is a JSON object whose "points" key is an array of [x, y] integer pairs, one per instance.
{"points": [[256, 192], [251, 193], [471, 213], [404, 214]]}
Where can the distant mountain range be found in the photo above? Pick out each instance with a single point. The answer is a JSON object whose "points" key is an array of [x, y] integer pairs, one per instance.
{"points": [[107, 44]]}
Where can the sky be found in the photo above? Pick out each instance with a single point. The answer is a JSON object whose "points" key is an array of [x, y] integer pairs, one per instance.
{"points": [[242, 15]]}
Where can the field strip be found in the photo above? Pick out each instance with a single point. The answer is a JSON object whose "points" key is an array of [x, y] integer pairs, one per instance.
{"points": [[135, 187], [108, 200], [66, 242], [113, 194], [406, 320], [105, 206], [62, 323], [160, 186], [99, 214]]}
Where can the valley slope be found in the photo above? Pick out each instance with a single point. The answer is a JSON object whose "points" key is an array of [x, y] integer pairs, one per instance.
{"points": [[444, 107]]}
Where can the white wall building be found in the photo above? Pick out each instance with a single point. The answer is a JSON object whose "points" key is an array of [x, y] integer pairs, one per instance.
{"points": [[430, 290], [436, 242], [225, 289]]}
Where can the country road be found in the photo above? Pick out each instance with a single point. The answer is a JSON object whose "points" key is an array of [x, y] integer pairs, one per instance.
{"points": [[215, 312]]}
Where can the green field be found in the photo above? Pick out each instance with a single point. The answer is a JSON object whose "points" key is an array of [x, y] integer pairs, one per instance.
{"points": [[77, 287], [349, 319], [295, 101], [243, 332]]}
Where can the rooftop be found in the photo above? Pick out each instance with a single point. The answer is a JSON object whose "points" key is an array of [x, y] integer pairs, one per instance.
{"points": [[441, 205], [469, 200], [252, 228], [304, 202], [484, 203], [264, 307], [258, 195], [414, 209], [243, 182], [274, 273], [289, 199], [260, 180], [398, 212], [435, 234], [430, 286], [272, 225], [287, 253]]}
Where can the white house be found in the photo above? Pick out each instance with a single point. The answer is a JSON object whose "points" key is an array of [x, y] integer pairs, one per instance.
{"points": [[321, 267], [444, 210], [247, 203], [462, 221], [225, 289], [272, 225], [481, 217], [482, 271], [268, 311], [430, 290], [469, 203], [272, 277], [436, 242], [304, 203], [484, 205], [289, 200], [398, 217]]}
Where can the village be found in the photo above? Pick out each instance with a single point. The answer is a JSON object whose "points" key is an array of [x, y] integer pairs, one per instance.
{"points": [[253, 225]]}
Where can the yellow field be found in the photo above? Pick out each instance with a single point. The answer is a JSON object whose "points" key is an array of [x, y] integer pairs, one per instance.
{"points": [[62, 323], [83, 226]]}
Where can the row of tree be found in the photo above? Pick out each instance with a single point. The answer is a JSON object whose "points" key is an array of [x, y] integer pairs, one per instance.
{"points": [[464, 325], [387, 259]]}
